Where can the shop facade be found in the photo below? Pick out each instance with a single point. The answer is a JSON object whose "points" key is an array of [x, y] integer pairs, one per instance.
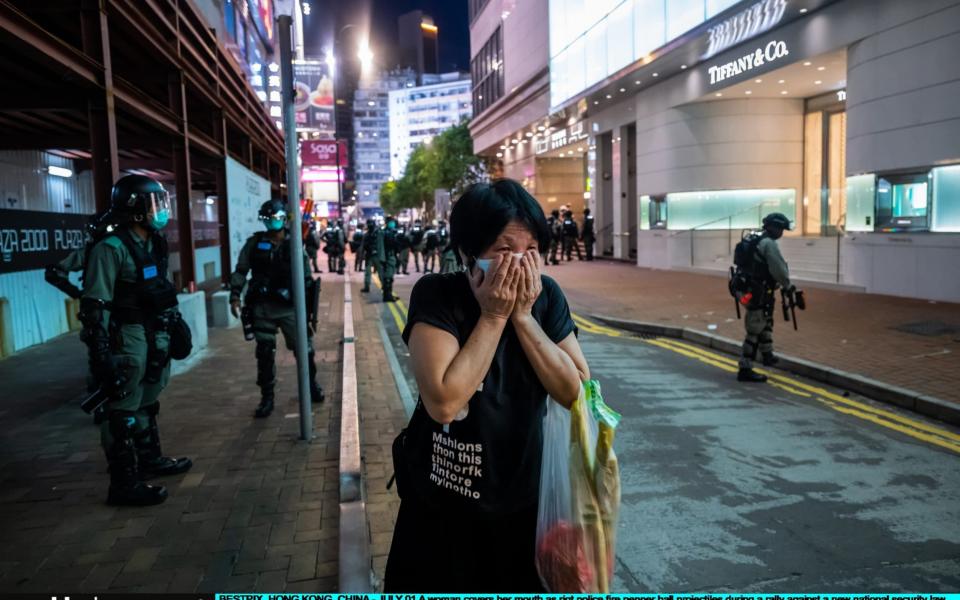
{"points": [[842, 115]]}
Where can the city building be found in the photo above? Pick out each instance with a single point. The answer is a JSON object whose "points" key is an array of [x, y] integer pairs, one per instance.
{"points": [[697, 117], [421, 112], [83, 110], [371, 124], [513, 126], [419, 43]]}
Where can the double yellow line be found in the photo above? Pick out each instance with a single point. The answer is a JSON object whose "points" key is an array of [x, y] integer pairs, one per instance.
{"points": [[398, 309], [916, 429]]}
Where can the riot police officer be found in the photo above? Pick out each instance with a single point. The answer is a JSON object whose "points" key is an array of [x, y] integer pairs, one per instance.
{"points": [[268, 304], [356, 246], [403, 255], [570, 235], [555, 223], [587, 235], [766, 271], [312, 245], [431, 245], [131, 327], [388, 264], [335, 241], [416, 244], [373, 252]]}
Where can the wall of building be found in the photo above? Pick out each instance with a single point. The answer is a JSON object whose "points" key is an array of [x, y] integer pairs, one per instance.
{"points": [[721, 145], [38, 311], [903, 87], [525, 57], [560, 181]]}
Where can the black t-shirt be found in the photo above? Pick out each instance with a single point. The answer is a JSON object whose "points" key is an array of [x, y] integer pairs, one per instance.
{"points": [[488, 459]]}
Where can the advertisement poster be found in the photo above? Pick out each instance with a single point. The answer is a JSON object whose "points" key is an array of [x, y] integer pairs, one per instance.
{"points": [[323, 153], [313, 99], [246, 191], [261, 12]]}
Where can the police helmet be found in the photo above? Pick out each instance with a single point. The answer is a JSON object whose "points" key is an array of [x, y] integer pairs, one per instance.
{"points": [[273, 214], [371, 223], [586, 212], [272, 208], [135, 196], [777, 221]]}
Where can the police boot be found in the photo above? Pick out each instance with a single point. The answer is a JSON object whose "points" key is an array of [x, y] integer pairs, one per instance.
{"points": [[770, 359], [750, 376], [316, 392], [266, 377], [126, 489], [388, 291], [150, 457]]}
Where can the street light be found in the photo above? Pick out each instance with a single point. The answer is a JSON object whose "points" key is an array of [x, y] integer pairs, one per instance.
{"points": [[366, 57], [285, 12]]}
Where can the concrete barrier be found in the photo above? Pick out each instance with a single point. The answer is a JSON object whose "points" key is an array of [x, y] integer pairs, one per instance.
{"points": [[928, 406], [193, 307], [220, 315]]}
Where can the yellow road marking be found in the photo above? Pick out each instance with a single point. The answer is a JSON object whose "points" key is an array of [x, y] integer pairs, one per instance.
{"points": [[693, 355], [400, 320], [933, 439], [824, 393], [911, 427]]}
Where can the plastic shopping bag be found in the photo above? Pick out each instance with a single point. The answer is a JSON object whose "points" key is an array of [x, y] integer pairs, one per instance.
{"points": [[579, 495]]}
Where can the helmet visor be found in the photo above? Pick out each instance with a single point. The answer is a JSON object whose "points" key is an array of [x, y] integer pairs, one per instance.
{"points": [[157, 202], [277, 215]]}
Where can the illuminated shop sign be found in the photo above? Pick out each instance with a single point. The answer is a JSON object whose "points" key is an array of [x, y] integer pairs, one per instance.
{"points": [[559, 139], [756, 19], [773, 51]]}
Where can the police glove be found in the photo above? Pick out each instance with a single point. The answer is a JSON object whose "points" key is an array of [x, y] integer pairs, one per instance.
{"points": [[235, 308]]}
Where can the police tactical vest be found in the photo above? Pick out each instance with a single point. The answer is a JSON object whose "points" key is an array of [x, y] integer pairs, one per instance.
{"points": [[271, 270], [569, 227], [390, 243], [416, 236], [370, 241], [152, 294]]}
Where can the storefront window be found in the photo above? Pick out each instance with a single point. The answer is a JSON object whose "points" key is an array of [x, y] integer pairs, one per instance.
{"points": [[903, 202], [946, 199], [644, 212], [723, 209], [861, 192]]}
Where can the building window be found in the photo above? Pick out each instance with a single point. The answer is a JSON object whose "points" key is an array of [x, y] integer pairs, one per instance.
{"points": [[486, 69], [903, 202], [476, 7]]}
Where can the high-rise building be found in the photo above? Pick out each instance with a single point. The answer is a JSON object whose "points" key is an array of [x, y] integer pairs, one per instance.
{"points": [[419, 113], [419, 43], [371, 124]]}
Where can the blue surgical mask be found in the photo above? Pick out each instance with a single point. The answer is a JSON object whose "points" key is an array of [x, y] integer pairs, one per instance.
{"points": [[484, 263], [274, 224], [158, 220]]}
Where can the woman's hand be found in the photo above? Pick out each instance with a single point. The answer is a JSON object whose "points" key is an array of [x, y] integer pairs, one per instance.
{"points": [[530, 286], [496, 291]]}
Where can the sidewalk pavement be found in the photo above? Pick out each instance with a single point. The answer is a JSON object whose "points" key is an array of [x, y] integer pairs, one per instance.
{"points": [[866, 334], [258, 511]]}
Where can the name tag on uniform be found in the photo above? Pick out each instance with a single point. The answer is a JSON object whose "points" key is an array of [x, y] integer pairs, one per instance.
{"points": [[264, 245], [150, 272]]}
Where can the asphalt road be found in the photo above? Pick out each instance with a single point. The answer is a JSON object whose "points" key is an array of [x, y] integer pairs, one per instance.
{"points": [[789, 486]]}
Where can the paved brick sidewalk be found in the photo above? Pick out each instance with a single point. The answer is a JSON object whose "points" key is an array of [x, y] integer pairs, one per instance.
{"points": [[853, 332], [381, 419], [259, 510]]}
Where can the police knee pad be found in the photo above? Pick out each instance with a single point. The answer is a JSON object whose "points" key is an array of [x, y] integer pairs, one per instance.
{"points": [[266, 350]]}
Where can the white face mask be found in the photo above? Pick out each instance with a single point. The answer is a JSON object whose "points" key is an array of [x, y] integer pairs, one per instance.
{"points": [[484, 263]]}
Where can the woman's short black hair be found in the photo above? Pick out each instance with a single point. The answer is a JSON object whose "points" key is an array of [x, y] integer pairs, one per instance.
{"points": [[483, 211]]}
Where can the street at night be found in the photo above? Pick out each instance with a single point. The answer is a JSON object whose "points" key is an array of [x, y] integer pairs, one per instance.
{"points": [[480, 299]]}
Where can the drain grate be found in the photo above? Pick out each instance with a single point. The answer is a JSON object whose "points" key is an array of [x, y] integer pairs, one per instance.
{"points": [[929, 328]]}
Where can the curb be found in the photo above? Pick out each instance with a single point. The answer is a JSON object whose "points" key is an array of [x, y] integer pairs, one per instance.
{"points": [[923, 404], [354, 558]]}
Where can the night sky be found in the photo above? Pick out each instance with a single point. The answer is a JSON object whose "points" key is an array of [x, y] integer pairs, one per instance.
{"points": [[381, 15]]}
